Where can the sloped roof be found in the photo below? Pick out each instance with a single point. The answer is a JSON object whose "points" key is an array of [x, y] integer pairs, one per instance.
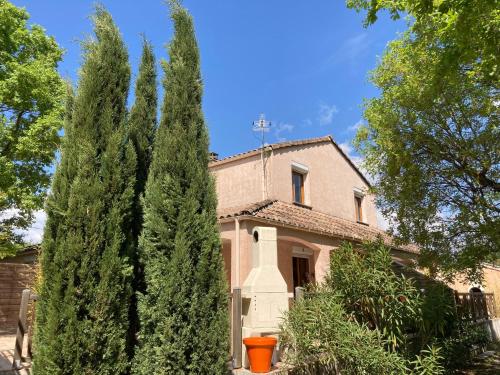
{"points": [[288, 214], [277, 146]]}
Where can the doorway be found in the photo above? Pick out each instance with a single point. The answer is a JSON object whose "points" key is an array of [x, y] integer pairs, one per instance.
{"points": [[300, 272]]}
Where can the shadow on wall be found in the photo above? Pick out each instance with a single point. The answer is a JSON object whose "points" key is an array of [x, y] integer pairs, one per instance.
{"points": [[493, 328]]}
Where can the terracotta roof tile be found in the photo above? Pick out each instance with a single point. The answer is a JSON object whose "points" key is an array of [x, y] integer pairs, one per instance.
{"points": [[303, 218]]}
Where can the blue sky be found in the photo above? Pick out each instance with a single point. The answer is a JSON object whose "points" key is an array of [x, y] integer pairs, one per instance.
{"points": [[304, 65]]}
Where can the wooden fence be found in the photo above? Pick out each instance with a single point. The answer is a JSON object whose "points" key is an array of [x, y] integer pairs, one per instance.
{"points": [[14, 278], [476, 306]]}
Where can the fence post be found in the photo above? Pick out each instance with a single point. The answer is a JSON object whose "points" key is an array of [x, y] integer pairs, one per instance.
{"points": [[21, 328], [33, 298], [299, 293], [237, 340]]}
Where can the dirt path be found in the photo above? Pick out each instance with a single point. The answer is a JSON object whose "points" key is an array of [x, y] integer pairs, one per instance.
{"points": [[7, 343], [487, 363]]}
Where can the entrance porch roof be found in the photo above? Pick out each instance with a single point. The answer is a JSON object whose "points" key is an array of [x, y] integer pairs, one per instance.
{"points": [[302, 218]]}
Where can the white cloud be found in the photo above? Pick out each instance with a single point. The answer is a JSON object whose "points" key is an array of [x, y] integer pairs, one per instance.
{"points": [[326, 112], [282, 128], [356, 45], [346, 147], [351, 50], [356, 126], [34, 234], [382, 222]]}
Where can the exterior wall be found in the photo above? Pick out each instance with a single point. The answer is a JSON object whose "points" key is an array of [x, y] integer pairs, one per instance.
{"points": [[287, 238], [319, 261], [329, 184], [328, 187], [491, 284], [239, 183]]}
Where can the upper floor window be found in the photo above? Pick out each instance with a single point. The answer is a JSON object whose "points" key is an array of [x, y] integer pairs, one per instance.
{"points": [[358, 203], [298, 187]]}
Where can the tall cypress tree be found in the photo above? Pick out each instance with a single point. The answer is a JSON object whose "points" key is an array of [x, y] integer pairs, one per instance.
{"points": [[142, 124], [56, 206], [86, 308], [184, 317], [141, 130]]}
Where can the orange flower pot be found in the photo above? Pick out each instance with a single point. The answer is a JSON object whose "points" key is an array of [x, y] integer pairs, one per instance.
{"points": [[260, 352]]}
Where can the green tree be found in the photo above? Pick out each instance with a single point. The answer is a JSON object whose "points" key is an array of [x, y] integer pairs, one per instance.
{"points": [[183, 312], [142, 124], [467, 31], [56, 207], [141, 129], [31, 114], [83, 322], [433, 135]]}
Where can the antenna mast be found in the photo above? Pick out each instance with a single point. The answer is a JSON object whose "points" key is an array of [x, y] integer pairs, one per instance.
{"points": [[262, 125]]}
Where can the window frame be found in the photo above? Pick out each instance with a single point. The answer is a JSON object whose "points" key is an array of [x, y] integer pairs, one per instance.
{"points": [[358, 207], [302, 190]]}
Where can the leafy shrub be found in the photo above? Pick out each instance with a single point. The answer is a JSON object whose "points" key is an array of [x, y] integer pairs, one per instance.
{"points": [[372, 293], [438, 313], [317, 330], [458, 349], [429, 362], [360, 318]]}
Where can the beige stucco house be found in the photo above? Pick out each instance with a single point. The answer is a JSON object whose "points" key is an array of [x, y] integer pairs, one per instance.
{"points": [[310, 191]]}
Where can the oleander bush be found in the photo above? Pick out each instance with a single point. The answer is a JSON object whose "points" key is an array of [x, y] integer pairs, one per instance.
{"points": [[373, 294], [318, 337], [366, 319]]}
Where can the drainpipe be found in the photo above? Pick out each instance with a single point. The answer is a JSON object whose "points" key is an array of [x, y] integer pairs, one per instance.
{"points": [[237, 245]]}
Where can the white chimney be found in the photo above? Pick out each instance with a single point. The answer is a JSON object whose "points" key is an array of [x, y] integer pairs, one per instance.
{"points": [[264, 292]]}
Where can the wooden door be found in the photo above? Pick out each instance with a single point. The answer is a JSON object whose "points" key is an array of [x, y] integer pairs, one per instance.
{"points": [[300, 272]]}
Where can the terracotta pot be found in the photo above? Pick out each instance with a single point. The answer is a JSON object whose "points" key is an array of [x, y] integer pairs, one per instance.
{"points": [[260, 352]]}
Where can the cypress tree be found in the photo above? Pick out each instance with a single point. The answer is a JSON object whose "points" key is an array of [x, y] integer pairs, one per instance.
{"points": [[85, 329], [141, 129], [183, 312], [142, 125], [56, 206]]}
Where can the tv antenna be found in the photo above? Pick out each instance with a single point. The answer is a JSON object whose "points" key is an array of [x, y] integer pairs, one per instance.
{"points": [[261, 125]]}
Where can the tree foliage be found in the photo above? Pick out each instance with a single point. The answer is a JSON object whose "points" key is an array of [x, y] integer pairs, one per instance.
{"points": [[141, 131], [466, 31], [82, 320], [142, 124], [183, 311], [31, 114], [433, 137]]}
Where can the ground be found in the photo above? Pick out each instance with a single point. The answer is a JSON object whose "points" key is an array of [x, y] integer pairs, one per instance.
{"points": [[7, 343], [487, 363]]}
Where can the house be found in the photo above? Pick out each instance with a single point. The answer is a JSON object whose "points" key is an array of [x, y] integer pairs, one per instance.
{"points": [[314, 196], [490, 285], [28, 255]]}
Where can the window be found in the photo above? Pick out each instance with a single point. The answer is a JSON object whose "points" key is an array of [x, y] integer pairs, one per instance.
{"points": [[358, 201], [298, 187]]}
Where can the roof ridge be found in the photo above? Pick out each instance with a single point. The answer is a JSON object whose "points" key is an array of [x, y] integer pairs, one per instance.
{"points": [[277, 145]]}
